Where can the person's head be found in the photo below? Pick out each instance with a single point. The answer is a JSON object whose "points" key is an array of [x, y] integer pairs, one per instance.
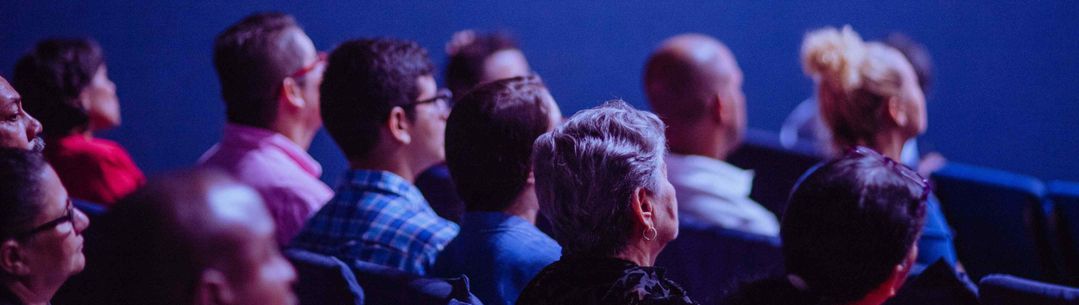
{"points": [[601, 179], [694, 83], [479, 58], [489, 139], [849, 232], [17, 128], [866, 91], [65, 84], [380, 100], [195, 237], [917, 55], [40, 231], [269, 72]]}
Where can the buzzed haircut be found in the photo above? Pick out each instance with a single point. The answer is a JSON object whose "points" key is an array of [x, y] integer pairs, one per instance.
{"points": [[252, 57], [489, 138], [363, 81], [678, 89]]}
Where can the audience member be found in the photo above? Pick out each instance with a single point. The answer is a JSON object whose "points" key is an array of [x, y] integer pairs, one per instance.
{"points": [[270, 74], [17, 128], [849, 234], [869, 96], [192, 237], [602, 179], [489, 138], [40, 231], [382, 107], [695, 85], [473, 59], [65, 83]]}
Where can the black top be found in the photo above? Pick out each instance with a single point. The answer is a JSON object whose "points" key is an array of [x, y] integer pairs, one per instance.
{"points": [[595, 281], [8, 298]]}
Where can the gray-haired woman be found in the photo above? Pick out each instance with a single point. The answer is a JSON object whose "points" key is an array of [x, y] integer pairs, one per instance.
{"points": [[601, 180]]}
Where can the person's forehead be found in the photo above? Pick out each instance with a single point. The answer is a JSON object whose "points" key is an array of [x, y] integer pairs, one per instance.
{"points": [[7, 93]]}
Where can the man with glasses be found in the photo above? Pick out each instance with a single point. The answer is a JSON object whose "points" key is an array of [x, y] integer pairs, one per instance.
{"points": [[40, 232], [270, 74], [383, 109]]}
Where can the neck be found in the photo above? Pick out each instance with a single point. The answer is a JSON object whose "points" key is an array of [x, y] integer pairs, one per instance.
{"points": [[294, 132], [697, 139], [637, 252], [525, 205], [31, 293], [386, 161], [890, 144]]}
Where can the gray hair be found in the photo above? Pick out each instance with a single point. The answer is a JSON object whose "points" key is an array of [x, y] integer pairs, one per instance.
{"points": [[587, 170]]}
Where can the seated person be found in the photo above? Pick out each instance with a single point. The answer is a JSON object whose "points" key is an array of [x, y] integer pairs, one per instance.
{"points": [[64, 82], [270, 73], [40, 231], [602, 180], [849, 234], [18, 129], [489, 140], [869, 96], [694, 84], [473, 59], [194, 237], [382, 107]]}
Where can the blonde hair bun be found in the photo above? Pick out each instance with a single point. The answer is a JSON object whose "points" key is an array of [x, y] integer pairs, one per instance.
{"points": [[834, 56]]}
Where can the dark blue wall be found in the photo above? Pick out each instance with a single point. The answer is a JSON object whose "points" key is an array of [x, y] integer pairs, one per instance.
{"points": [[1007, 89]]}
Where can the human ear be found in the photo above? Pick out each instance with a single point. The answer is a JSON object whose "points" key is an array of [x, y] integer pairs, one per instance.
{"points": [[897, 111], [213, 289], [12, 260], [643, 208], [291, 95], [718, 109], [398, 126]]}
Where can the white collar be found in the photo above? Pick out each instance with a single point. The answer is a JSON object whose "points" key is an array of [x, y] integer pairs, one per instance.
{"points": [[704, 173]]}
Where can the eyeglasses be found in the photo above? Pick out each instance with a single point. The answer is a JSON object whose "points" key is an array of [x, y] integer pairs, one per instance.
{"points": [[69, 216], [444, 100], [320, 58], [898, 168]]}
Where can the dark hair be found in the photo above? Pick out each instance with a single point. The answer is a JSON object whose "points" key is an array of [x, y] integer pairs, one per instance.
{"points": [[850, 221], [21, 192], [364, 80], [50, 78], [252, 57], [489, 138], [587, 169], [917, 55], [465, 67]]}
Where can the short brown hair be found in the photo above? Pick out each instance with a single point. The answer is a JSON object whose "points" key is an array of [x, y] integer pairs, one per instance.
{"points": [[252, 58]]}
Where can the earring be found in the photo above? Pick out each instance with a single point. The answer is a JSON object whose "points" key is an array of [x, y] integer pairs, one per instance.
{"points": [[651, 231]]}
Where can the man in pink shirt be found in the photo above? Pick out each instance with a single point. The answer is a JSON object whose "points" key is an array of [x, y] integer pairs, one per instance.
{"points": [[270, 74]]}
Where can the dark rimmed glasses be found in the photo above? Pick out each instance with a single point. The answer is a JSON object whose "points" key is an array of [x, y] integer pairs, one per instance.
{"points": [[443, 98], [69, 216], [898, 168]]}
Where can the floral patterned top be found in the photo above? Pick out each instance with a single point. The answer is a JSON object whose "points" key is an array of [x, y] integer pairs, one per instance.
{"points": [[594, 281]]}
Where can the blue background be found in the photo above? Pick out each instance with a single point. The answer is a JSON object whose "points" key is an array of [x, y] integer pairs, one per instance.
{"points": [[1005, 96]]}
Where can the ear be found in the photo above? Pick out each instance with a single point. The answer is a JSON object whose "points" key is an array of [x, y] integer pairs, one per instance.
{"points": [[398, 126], [291, 96], [900, 272], [718, 108], [643, 208], [213, 289], [12, 260], [897, 112], [531, 178]]}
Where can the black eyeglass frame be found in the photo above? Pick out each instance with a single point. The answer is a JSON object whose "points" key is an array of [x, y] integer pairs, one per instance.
{"points": [[68, 216], [441, 95]]}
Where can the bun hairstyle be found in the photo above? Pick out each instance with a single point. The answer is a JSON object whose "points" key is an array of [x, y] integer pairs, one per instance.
{"points": [[854, 80]]}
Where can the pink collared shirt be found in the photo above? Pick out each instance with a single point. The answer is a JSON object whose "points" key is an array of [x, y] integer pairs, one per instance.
{"points": [[282, 172]]}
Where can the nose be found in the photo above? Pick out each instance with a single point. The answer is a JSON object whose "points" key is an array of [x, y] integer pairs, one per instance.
{"points": [[81, 221], [33, 127]]}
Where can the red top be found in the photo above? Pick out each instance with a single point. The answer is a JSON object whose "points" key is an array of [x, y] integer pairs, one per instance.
{"points": [[93, 169]]}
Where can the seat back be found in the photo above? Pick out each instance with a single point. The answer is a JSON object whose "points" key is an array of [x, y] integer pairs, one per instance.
{"points": [[1065, 199], [709, 262], [776, 169], [999, 289], [998, 219], [385, 285], [324, 279]]}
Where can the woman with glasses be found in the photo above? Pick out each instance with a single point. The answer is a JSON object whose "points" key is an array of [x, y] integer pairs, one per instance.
{"points": [[849, 234], [869, 96], [40, 232], [65, 84]]}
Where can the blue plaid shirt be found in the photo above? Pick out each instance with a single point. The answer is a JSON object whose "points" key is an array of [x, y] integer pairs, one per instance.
{"points": [[380, 218]]}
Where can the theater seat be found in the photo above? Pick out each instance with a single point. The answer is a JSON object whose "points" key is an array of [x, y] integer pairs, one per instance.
{"points": [[1065, 198], [776, 168], [1009, 290], [709, 262], [385, 285], [324, 280], [999, 220]]}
